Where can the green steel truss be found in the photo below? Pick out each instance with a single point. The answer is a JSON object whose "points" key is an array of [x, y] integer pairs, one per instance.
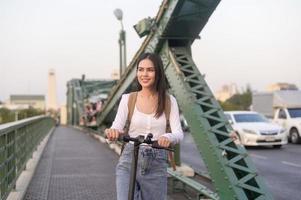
{"points": [[177, 22], [233, 173], [79, 91], [176, 26], [75, 101], [152, 43]]}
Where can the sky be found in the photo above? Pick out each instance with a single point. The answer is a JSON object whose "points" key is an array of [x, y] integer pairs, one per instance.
{"points": [[254, 42]]}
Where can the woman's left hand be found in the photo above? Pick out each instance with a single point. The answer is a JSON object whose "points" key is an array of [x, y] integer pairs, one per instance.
{"points": [[163, 141]]}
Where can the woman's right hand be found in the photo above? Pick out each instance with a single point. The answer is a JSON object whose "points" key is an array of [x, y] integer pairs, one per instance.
{"points": [[112, 134]]}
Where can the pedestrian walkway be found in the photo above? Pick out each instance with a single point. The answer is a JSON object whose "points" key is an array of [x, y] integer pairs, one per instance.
{"points": [[74, 166]]}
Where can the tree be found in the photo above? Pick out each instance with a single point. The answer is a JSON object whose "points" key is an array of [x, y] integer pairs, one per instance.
{"points": [[241, 101], [30, 112], [6, 115]]}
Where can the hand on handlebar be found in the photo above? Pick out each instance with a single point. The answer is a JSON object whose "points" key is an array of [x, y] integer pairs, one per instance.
{"points": [[163, 141], [112, 134], [233, 135]]}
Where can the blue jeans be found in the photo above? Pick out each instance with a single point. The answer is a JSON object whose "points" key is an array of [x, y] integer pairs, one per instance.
{"points": [[151, 178]]}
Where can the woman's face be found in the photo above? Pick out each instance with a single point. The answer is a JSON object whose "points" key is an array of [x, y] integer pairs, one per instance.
{"points": [[146, 73]]}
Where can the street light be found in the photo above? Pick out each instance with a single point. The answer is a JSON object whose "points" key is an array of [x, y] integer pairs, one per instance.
{"points": [[122, 43]]}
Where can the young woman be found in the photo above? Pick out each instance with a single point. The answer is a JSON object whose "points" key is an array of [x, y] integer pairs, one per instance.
{"points": [[148, 117]]}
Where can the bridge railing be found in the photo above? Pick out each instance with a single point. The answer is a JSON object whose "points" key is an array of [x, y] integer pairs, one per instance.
{"points": [[18, 140]]}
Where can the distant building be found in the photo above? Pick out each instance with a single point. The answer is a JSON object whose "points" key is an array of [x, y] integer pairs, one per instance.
{"points": [[226, 92], [51, 95], [26, 101], [281, 86], [63, 115]]}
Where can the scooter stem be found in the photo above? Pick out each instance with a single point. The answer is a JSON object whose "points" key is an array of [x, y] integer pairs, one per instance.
{"points": [[134, 170]]}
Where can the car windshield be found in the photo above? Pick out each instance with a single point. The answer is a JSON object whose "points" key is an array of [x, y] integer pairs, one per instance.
{"points": [[242, 118], [294, 112]]}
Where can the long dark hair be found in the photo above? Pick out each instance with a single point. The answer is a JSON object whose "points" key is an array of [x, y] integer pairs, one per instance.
{"points": [[160, 80]]}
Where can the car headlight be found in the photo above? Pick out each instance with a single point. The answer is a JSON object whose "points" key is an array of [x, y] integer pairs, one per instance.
{"points": [[282, 130], [249, 131]]}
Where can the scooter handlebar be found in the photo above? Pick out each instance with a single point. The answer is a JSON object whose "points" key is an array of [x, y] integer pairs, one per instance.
{"points": [[141, 139]]}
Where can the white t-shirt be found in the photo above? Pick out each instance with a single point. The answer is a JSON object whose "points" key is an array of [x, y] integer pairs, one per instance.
{"points": [[142, 124]]}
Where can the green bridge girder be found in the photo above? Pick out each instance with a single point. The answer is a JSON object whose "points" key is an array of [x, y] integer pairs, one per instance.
{"points": [[79, 91], [176, 26]]}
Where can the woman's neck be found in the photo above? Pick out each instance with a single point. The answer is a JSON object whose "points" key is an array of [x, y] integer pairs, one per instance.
{"points": [[145, 92]]}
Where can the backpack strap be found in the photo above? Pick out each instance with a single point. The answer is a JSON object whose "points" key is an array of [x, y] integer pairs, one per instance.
{"points": [[167, 113], [131, 106]]}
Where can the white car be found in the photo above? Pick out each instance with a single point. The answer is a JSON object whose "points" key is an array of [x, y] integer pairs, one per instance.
{"points": [[253, 129]]}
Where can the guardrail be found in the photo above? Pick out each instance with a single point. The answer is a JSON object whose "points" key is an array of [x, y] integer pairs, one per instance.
{"points": [[18, 140]]}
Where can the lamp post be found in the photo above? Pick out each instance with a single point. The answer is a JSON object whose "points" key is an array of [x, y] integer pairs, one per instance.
{"points": [[122, 43]]}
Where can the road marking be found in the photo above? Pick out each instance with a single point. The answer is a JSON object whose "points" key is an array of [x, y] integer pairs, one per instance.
{"points": [[258, 156], [290, 163]]}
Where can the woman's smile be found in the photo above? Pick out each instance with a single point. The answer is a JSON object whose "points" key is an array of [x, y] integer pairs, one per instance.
{"points": [[145, 80]]}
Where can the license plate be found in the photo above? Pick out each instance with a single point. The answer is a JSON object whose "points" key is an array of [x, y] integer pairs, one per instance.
{"points": [[270, 139]]}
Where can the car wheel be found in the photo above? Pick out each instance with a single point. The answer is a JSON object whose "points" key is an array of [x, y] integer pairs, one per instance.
{"points": [[294, 136], [277, 146]]}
